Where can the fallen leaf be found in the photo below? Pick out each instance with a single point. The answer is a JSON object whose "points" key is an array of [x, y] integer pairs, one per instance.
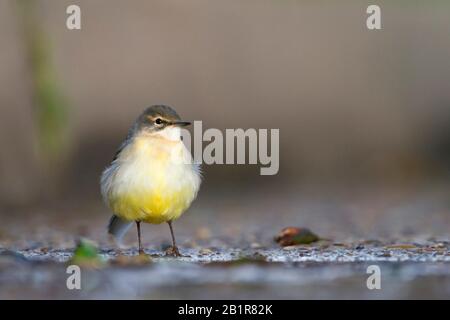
{"points": [[86, 255], [293, 236], [401, 246]]}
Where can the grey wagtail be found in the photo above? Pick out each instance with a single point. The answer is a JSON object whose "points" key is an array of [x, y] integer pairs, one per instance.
{"points": [[152, 177]]}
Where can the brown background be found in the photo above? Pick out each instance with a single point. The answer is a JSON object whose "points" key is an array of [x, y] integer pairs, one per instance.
{"points": [[364, 116]]}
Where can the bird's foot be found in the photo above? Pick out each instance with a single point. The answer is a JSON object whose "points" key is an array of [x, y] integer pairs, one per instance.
{"points": [[173, 252], [141, 252]]}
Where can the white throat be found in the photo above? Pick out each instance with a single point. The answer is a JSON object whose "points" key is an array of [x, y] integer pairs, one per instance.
{"points": [[172, 133]]}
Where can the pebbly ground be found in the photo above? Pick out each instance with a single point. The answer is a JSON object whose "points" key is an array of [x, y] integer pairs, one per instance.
{"points": [[333, 270], [230, 253]]}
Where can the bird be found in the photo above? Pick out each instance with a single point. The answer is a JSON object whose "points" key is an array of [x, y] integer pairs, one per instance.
{"points": [[152, 177]]}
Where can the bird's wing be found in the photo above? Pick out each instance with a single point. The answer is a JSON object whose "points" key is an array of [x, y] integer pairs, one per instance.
{"points": [[117, 227], [118, 151], [124, 144]]}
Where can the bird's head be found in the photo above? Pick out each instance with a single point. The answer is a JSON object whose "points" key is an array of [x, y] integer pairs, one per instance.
{"points": [[160, 120]]}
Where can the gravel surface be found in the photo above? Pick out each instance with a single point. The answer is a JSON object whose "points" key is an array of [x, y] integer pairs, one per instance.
{"points": [[328, 270], [229, 248]]}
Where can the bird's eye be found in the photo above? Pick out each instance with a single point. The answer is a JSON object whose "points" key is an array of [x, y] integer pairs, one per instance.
{"points": [[158, 121]]}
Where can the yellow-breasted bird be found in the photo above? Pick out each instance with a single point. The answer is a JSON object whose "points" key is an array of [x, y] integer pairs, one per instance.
{"points": [[152, 177]]}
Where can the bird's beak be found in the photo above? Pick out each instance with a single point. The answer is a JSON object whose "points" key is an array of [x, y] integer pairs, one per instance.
{"points": [[181, 123]]}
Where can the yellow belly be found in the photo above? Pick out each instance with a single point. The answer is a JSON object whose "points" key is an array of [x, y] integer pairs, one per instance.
{"points": [[150, 183], [153, 207]]}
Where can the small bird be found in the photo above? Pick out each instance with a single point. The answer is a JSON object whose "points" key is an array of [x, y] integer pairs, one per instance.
{"points": [[152, 177]]}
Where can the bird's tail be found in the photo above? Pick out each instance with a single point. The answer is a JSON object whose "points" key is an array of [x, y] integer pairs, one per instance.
{"points": [[117, 227]]}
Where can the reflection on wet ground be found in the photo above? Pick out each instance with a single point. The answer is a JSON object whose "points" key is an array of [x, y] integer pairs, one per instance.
{"points": [[230, 252], [327, 270]]}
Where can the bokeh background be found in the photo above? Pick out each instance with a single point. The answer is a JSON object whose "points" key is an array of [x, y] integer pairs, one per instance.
{"points": [[364, 116]]}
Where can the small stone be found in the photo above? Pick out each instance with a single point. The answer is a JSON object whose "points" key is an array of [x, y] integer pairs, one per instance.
{"points": [[339, 244], [385, 254], [205, 251], [44, 250]]}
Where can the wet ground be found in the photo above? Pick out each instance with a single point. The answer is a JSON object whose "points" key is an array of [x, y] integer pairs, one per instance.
{"points": [[230, 252], [328, 270]]}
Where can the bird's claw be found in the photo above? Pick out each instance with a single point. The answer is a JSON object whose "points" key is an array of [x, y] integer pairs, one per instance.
{"points": [[173, 252]]}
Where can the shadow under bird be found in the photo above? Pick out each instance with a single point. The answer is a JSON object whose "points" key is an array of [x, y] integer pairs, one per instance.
{"points": [[152, 177]]}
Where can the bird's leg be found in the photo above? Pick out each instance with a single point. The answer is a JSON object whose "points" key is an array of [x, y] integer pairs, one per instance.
{"points": [[138, 226], [172, 251]]}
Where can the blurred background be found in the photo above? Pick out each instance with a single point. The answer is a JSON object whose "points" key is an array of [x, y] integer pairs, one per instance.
{"points": [[364, 116]]}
